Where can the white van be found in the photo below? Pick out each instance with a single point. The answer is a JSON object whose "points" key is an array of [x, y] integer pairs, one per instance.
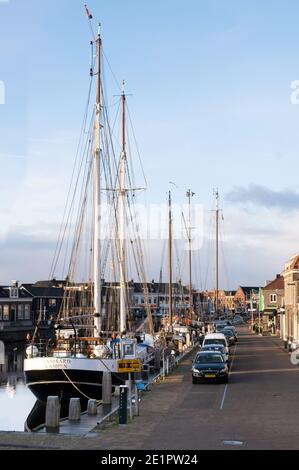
{"points": [[216, 338]]}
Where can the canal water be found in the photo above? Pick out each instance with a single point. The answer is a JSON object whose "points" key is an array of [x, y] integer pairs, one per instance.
{"points": [[16, 401]]}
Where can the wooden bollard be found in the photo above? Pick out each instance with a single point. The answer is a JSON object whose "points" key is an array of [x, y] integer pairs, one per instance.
{"points": [[107, 388], [74, 409], [92, 408], [52, 413]]}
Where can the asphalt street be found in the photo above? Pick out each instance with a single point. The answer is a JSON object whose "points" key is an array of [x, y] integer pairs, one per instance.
{"points": [[256, 410]]}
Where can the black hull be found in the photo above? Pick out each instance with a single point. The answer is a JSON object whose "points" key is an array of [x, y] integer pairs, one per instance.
{"points": [[36, 417]]}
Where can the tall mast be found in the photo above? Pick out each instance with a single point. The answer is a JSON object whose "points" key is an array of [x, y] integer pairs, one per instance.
{"points": [[217, 253], [189, 195], [97, 199], [170, 260], [122, 220]]}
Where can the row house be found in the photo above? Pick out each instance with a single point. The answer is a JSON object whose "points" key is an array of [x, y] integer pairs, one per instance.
{"points": [[289, 320], [46, 300], [16, 319], [273, 300], [246, 296], [157, 295], [227, 301]]}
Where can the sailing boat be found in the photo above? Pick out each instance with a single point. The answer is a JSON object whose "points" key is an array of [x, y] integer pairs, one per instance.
{"points": [[88, 341]]}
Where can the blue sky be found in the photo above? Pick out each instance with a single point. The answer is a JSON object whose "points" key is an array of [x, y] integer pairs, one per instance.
{"points": [[211, 108]]}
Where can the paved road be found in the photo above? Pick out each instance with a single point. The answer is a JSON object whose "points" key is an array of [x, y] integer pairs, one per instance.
{"points": [[259, 407]]}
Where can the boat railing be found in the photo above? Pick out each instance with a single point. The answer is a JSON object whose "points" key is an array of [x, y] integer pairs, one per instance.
{"points": [[68, 347]]}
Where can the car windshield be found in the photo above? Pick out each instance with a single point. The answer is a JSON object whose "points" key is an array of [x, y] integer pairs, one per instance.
{"points": [[208, 358], [227, 332], [215, 341], [214, 348]]}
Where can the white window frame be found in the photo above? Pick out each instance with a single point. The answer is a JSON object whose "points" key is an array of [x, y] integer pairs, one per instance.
{"points": [[14, 292], [273, 298]]}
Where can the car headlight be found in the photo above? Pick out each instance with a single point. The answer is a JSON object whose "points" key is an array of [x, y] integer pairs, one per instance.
{"points": [[195, 370]]}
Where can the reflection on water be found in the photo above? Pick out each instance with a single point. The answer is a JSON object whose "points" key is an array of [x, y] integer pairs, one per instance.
{"points": [[16, 400]]}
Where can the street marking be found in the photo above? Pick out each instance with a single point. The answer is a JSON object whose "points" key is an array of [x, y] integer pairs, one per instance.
{"points": [[225, 388], [264, 371], [223, 397], [233, 443]]}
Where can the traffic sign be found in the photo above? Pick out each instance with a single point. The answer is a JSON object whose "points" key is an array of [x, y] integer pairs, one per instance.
{"points": [[129, 365]]}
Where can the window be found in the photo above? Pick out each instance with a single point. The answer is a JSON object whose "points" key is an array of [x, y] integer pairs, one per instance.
{"points": [[5, 312], [13, 312], [273, 298], [20, 312], [52, 302], [27, 312], [14, 292]]}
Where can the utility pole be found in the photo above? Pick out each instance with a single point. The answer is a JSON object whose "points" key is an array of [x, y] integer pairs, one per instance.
{"points": [[170, 260], [251, 308]]}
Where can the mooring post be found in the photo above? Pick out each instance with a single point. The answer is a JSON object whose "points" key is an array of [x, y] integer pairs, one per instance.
{"points": [[52, 413], [74, 409], [107, 388], [92, 407]]}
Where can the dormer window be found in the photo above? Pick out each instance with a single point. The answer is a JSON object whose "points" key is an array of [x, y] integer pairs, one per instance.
{"points": [[14, 292]]}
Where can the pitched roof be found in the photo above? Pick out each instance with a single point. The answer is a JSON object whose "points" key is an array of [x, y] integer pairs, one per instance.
{"points": [[247, 290], [37, 291], [5, 293], [277, 283]]}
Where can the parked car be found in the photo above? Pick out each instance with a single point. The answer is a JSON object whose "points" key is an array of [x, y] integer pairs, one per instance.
{"points": [[229, 334], [238, 320], [218, 348], [233, 331], [209, 366], [216, 338]]}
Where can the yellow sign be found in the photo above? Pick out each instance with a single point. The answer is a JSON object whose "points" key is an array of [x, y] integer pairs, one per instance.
{"points": [[129, 365]]}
